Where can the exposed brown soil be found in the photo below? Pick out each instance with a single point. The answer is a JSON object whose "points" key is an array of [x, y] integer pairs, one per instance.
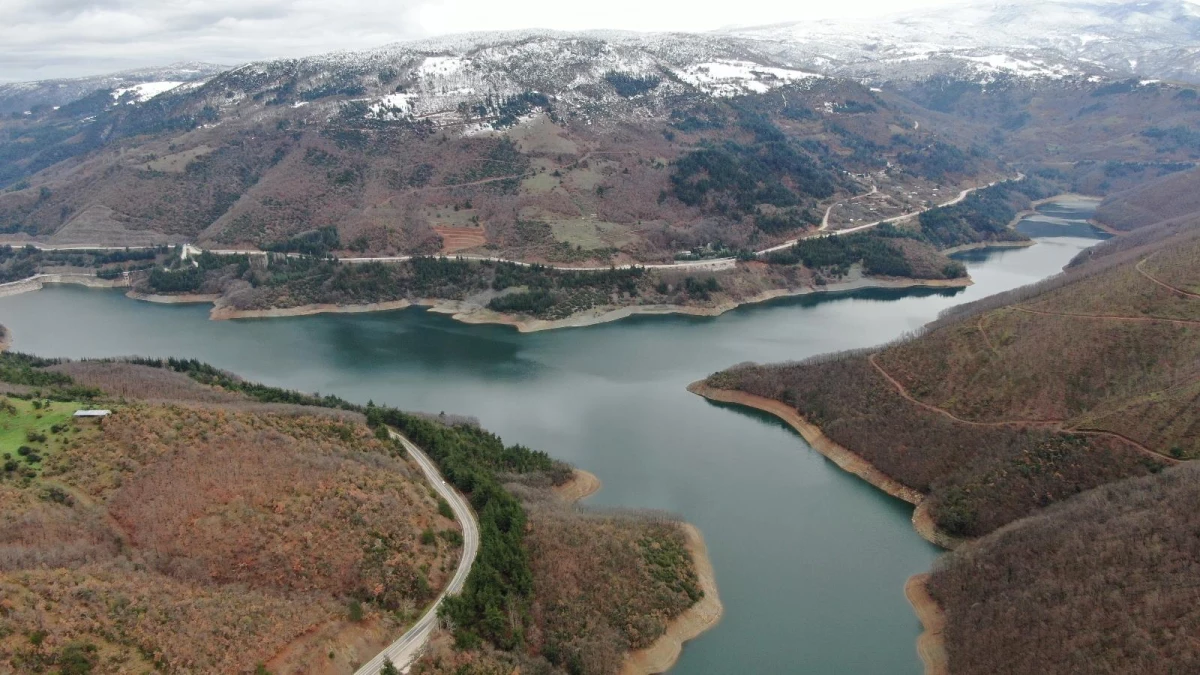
{"points": [[931, 644], [456, 239], [181, 299], [35, 283], [846, 459], [582, 484], [843, 457]]}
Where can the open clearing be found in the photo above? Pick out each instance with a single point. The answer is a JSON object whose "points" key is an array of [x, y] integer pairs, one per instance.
{"points": [[456, 239], [24, 425]]}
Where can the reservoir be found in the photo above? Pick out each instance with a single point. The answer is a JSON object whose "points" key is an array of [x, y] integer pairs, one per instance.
{"points": [[810, 561]]}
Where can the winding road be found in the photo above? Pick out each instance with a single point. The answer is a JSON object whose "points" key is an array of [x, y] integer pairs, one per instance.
{"points": [[405, 650], [712, 264]]}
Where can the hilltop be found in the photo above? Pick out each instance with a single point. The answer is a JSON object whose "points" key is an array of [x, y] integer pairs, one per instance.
{"points": [[597, 147]]}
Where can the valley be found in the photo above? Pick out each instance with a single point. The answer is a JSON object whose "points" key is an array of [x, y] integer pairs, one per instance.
{"points": [[1019, 426], [266, 324], [654, 445]]}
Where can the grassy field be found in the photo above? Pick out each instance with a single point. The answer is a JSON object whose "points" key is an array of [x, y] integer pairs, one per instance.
{"points": [[40, 426]]}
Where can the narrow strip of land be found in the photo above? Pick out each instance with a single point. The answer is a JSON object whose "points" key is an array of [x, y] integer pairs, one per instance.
{"points": [[405, 650], [711, 264]]}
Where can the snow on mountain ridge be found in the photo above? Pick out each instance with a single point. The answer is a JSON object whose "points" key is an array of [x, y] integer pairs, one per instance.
{"points": [[1156, 35]]}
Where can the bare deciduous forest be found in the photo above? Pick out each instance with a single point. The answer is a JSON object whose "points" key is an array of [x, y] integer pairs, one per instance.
{"points": [[207, 539], [216, 525], [1005, 406], [1104, 583]]}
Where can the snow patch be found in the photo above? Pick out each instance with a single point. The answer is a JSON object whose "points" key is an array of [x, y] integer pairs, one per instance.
{"points": [[1027, 68], [145, 91], [392, 107], [441, 66], [730, 78]]}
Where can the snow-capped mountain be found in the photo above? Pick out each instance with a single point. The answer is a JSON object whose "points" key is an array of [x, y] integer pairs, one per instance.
{"points": [[443, 77], [1045, 38], [23, 96], [1051, 39]]}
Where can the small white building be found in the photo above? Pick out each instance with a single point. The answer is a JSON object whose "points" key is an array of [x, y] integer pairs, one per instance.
{"points": [[91, 415]]}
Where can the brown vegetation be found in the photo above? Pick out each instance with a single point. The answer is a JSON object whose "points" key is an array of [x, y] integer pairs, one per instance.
{"points": [[208, 539], [1103, 583], [1168, 197], [605, 584], [456, 239], [1002, 408]]}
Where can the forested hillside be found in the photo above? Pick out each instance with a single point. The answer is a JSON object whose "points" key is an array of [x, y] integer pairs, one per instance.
{"points": [[1104, 583], [216, 525], [1173, 196], [1009, 404], [202, 531], [557, 148]]}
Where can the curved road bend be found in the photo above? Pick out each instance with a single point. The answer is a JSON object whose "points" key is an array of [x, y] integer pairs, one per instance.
{"points": [[710, 264], [405, 650]]}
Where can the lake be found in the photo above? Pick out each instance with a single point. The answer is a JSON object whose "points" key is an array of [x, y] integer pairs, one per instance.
{"points": [[810, 561]]}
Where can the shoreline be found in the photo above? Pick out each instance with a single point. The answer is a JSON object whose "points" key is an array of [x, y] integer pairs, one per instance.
{"points": [[475, 314], [478, 315], [931, 643], [990, 244], [846, 459], [181, 299], [583, 484], [38, 281], [593, 317], [695, 620], [5, 338], [225, 313]]}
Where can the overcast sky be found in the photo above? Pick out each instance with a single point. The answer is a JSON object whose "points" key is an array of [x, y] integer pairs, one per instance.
{"points": [[41, 39]]}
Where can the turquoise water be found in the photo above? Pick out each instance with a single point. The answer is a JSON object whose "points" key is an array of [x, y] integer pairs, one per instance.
{"points": [[810, 561]]}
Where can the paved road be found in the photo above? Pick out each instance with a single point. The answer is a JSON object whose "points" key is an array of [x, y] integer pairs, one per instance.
{"points": [[405, 650], [894, 219], [711, 264]]}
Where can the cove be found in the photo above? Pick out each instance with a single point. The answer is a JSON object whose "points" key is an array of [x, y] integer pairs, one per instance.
{"points": [[810, 561]]}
